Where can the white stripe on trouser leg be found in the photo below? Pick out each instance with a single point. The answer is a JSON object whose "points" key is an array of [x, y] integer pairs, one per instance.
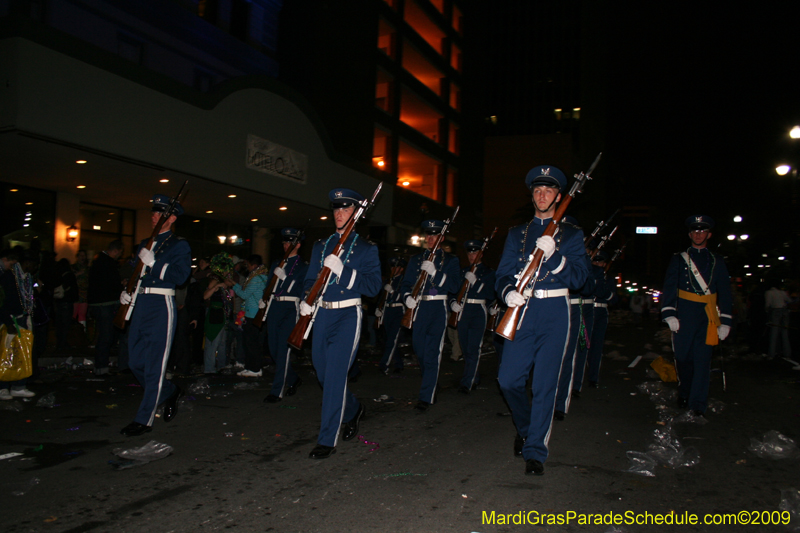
{"points": [[439, 359], [394, 347], [480, 347], [560, 364], [353, 352], [285, 370], [164, 355]]}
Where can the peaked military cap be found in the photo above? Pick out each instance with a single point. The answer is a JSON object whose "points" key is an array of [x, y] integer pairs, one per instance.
{"points": [[473, 245], [290, 234], [432, 227], [344, 198], [699, 222], [546, 175], [397, 261], [161, 203], [600, 256]]}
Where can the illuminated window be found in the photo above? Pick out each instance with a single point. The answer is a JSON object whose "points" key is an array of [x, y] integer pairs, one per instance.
{"points": [[455, 97], [392, 3], [455, 57], [439, 5], [381, 147], [422, 24], [384, 91], [421, 172], [453, 143], [415, 112], [387, 39], [422, 69], [452, 187], [458, 24]]}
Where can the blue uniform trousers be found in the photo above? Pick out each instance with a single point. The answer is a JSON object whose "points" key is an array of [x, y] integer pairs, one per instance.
{"points": [[568, 366], [692, 355], [392, 316], [334, 347], [149, 340], [427, 336], [541, 343], [281, 319], [582, 353], [470, 337], [598, 340]]}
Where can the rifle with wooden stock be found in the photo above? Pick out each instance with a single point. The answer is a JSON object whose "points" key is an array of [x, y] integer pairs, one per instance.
{"points": [[491, 322], [126, 310], [303, 326], [411, 313], [507, 327], [600, 225], [615, 257], [269, 295], [603, 241], [462, 293], [384, 298]]}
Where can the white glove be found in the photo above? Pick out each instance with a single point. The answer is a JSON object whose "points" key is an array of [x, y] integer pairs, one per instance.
{"points": [[673, 323], [411, 303], [470, 277], [281, 273], [125, 298], [378, 313], [335, 264], [723, 331], [428, 267], [147, 257], [514, 299], [388, 288], [262, 304], [456, 307], [306, 309], [493, 310], [546, 244]]}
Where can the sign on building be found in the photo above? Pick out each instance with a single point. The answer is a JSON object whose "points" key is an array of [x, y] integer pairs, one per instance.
{"points": [[271, 158], [647, 230]]}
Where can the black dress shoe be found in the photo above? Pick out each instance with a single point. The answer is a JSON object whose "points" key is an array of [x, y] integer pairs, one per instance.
{"points": [[576, 393], [271, 398], [421, 406], [559, 415], [350, 429], [292, 389], [519, 442], [534, 467], [683, 403], [463, 390], [322, 452], [134, 429], [171, 404]]}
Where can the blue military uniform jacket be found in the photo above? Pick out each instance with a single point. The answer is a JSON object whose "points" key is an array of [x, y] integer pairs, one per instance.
{"points": [[566, 268], [396, 296], [446, 280], [605, 290], [361, 275], [296, 270], [714, 272], [173, 262], [483, 288]]}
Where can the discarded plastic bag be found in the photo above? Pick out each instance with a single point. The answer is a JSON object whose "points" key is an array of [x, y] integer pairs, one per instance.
{"points": [[650, 387], [716, 406], [790, 501], [665, 370], [131, 457], [774, 446], [11, 406], [641, 463], [690, 418], [200, 387], [22, 489], [246, 385], [15, 354], [48, 401]]}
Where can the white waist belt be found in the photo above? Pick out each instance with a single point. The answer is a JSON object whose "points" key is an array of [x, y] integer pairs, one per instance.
{"points": [[575, 300], [549, 293], [598, 304], [588, 300], [288, 299], [473, 301], [340, 305], [156, 290], [429, 297], [398, 304]]}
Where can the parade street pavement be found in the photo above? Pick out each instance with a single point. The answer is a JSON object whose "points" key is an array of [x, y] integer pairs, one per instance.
{"points": [[242, 464]]}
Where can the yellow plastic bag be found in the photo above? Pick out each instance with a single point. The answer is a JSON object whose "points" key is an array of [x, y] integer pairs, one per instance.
{"points": [[665, 370], [15, 354]]}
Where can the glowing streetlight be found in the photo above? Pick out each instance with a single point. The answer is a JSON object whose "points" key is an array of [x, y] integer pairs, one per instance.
{"points": [[795, 132], [782, 170], [737, 218]]}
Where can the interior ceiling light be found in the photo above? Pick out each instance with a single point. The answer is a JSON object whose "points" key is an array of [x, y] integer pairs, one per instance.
{"points": [[81, 161], [28, 203], [283, 208], [13, 190], [164, 180], [231, 196], [81, 186], [323, 218], [209, 212], [253, 220], [198, 220]]}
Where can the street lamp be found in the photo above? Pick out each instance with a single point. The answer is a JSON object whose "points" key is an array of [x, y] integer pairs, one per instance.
{"points": [[795, 132], [737, 218], [782, 170]]}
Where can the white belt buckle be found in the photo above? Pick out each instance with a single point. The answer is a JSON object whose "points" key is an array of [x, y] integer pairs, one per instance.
{"points": [[540, 293]]}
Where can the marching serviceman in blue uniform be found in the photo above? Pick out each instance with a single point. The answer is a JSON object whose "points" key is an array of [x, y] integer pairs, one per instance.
{"points": [[542, 334], [430, 321], [337, 324], [392, 315], [576, 330], [167, 264], [696, 284], [472, 323], [282, 315], [597, 280], [605, 295]]}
